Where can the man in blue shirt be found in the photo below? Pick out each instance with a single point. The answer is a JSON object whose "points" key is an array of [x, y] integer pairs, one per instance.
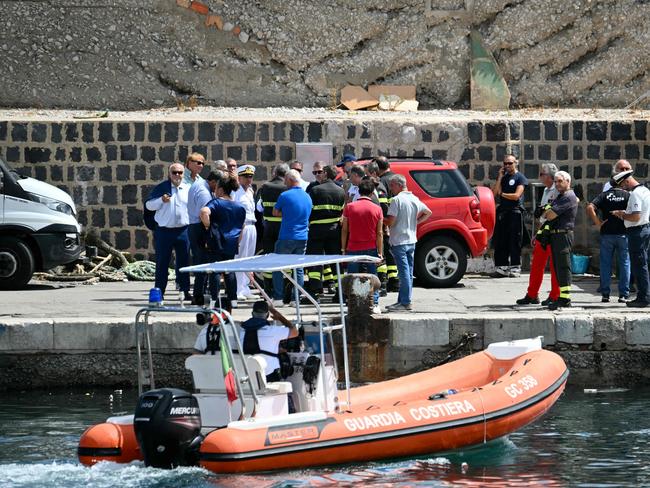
{"points": [[294, 206], [200, 194], [508, 230]]}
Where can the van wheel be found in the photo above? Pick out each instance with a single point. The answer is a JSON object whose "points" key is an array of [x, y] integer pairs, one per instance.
{"points": [[16, 263], [440, 262]]}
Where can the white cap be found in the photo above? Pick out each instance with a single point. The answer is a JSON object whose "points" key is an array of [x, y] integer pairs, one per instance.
{"points": [[246, 169]]}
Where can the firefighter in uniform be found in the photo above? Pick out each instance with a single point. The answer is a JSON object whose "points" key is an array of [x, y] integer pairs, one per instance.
{"points": [[324, 225], [562, 217], [266, 199], [372, 171], [385, 174]]}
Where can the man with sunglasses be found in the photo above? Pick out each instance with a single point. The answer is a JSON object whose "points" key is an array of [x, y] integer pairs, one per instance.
{"points": [[168, 203], [508, 231], [297, 165], [193, 166]]}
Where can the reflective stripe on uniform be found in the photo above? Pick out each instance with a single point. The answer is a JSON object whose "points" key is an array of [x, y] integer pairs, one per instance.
{"points": [[382, 269], [325, 221], [565, 291], [327, 207], [392, 270], [268, 204], [314, 275], [273, 219]]}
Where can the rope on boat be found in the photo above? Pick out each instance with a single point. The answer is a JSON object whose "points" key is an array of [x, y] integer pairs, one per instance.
{"points": [[466, 340]]}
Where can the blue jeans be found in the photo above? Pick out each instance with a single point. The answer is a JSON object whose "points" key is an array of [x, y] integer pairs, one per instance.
{"points": [[610, 244], [370, 267], [287, 246], [639, 242], [404, 260], [165, 241]]}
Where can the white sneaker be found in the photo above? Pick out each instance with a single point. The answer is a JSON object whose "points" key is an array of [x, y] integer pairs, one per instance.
{"points": [[243, 298], [233, 303], [376, 309], [277, 303]]}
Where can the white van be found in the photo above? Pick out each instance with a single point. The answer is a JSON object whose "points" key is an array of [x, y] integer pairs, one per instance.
{"points": [[38, 228]]}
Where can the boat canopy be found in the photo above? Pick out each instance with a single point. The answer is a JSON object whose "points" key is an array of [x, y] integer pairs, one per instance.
{"points": [[276, 262]]}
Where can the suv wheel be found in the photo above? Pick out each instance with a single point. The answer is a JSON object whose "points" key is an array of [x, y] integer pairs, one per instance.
{"points": [[440, 262], [16, 263]]}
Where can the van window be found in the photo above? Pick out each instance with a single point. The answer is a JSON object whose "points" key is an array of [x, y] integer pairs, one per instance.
{"points": [[442, 183]]}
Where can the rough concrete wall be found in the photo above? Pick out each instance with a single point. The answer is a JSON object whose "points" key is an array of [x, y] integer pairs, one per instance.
{"points": [[109, 166], [130, 54]]}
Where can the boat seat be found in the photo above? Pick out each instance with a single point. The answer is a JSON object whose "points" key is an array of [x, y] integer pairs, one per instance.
{"points": [[207, 374]]}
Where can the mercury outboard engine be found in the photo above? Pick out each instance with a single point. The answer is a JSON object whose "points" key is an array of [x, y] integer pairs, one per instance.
{"points": [[168, 428]]}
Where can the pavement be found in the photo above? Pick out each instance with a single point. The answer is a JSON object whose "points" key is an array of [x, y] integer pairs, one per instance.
{"points": [[475, 295]]}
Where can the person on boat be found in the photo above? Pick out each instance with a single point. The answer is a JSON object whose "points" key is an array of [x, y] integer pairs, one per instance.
{"points": [[294, 207], [562, 217], [405, 213], [229, 217], [246, 197], [361, 232], [166, 214]]}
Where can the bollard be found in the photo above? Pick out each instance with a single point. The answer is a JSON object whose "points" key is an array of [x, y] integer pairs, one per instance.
{"points": [[358, 288]]}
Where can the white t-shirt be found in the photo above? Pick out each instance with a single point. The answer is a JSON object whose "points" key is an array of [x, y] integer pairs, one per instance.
{"points": [[269, 338], [639, 202], [353, 193], [405, 207]]}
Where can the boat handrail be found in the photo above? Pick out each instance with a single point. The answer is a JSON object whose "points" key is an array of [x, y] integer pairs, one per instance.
{"points": [[143, 327]]}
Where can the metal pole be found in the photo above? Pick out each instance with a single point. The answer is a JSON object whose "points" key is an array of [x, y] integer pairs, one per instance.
{"points": [[345, 337], [138, 352], [152, 383], [297, 296]]}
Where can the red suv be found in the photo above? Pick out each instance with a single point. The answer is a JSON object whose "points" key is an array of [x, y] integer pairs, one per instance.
{"points": [[461, 223]]}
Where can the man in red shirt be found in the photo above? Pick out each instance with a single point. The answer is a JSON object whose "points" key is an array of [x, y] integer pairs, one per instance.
{"points": [[361, 231]]}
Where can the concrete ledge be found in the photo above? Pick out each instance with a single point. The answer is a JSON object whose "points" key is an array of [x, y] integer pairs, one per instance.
{"points": [[420, 331]]}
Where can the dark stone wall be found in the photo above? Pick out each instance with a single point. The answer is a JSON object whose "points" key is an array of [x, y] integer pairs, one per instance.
{"points": [[109, 166]]}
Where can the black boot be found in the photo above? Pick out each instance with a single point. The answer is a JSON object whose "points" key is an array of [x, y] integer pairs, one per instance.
{"points": [[559, 303]]}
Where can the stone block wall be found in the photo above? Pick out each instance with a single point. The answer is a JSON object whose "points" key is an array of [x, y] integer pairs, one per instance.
{"points": [[110, 165]]}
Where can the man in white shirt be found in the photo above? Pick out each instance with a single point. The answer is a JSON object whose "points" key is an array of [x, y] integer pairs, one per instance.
{"points": [[246, 197], [169, 202], [297, 165], [356, 175], [620, 166], [637, 228]]}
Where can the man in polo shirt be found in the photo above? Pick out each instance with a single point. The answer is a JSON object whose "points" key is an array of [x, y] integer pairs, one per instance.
{"points": [[361, 231], [193, 166], [294, 207], [562, 218], [405, 212], [636, 218]]}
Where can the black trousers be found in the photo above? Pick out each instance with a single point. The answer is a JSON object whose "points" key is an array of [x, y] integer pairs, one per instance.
{"points": [[561, 245], [321, 241], [507, 238], [270, 236]]}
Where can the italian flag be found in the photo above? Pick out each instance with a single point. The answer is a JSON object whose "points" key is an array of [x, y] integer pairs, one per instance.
{"points": [[228, 373]]}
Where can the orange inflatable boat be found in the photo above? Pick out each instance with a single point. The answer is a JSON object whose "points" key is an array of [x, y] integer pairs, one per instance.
{"points": [[240, 423]]}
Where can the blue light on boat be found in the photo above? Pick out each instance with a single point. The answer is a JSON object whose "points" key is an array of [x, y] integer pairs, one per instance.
{"points": [[155, 297]]}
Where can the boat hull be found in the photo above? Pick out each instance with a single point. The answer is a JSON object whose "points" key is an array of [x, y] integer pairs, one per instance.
{"points": [[381, 425]]}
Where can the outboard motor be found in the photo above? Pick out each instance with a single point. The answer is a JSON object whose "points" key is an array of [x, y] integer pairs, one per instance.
{"points": [[168, 428]]}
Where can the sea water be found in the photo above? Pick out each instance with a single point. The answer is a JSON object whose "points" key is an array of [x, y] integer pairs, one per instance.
{"points": [[586, 439]]}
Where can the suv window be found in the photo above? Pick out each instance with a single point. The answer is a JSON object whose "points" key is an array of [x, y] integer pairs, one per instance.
{"points": [[442, 183]]}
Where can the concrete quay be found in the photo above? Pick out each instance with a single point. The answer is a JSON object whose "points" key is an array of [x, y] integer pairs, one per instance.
{"points": [[61, 334]]}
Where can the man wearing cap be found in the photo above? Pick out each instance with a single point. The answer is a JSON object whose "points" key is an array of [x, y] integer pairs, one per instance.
{"points": [[258, 336], [168, 203], [193, 166], [344, 166], [297, 165], [618, 167], [245, 196], [562, 217], [636, 218], [613, 240]]}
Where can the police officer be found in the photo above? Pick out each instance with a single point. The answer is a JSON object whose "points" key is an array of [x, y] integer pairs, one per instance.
{"points": [[324, 223], [562, 217], [509, 228], [267, 197]]}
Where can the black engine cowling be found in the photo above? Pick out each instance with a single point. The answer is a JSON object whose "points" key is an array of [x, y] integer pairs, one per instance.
{"points": [[168, 428]]}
